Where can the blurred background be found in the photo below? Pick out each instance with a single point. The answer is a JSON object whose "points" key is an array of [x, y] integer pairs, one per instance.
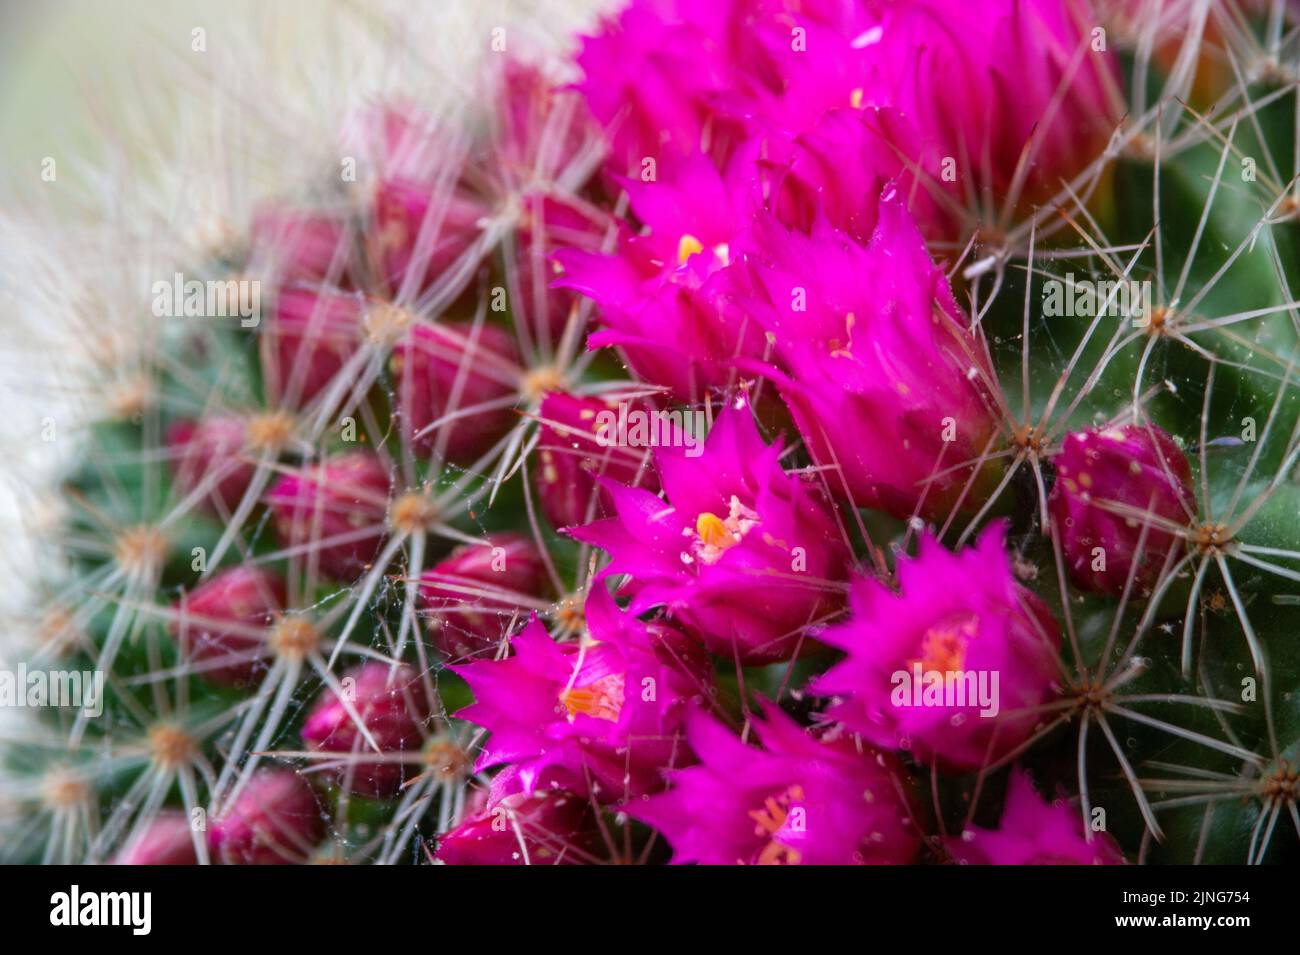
{"points": [[99, 85]]}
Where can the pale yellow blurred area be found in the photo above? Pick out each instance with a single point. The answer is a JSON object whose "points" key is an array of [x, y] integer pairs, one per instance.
{"points": [[62, 62], [84, 82], [53, 53]]}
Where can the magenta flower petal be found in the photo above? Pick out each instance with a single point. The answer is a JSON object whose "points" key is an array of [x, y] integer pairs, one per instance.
{"points": [[602, 718], [796, 800], [1034, 832], [963, 614], [727, 553], [889, 386]]}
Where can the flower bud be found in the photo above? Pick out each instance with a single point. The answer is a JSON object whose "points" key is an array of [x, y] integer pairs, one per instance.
{"points": [[203, 448], [574, 452], [393, 706], [449, 367], [310, 336], [336, 508], [419, 233], [300, 244], [275, 820], [472, 597], [221, 620], [1106, 481], [553, 827], [166, 840]]}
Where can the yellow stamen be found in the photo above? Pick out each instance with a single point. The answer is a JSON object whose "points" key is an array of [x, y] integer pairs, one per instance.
{"points": [[602, 699], [687, 247], [943, 649], [769, 821], [713, 531]]}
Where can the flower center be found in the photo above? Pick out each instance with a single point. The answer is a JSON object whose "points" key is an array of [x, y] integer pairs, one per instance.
{"points": [[943, 648], [771, 819], [602, 699], [687, 247], [714, 536]]}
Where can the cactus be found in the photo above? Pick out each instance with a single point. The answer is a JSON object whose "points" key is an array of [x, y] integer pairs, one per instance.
{"points": [[450, 548]]}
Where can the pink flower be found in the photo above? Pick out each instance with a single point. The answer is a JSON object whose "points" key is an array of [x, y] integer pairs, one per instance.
{"points": [[572, 459], [797, 800], [651, 78], [668, 297], [310, 337], [888, 384], [741, 552], [392, 705], [456, 367], [1034, 832], [549, 828], [987, 80], [210, 452], [601, 717], [1107, 481], [473, 597], [670, 77], [818, 184], [223, 622], [166, 840], [959, 614], [335, 509], [275, 820]]}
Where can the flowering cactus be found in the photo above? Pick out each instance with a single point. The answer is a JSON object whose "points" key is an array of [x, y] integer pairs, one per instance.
{"points": [[776, 432]]}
